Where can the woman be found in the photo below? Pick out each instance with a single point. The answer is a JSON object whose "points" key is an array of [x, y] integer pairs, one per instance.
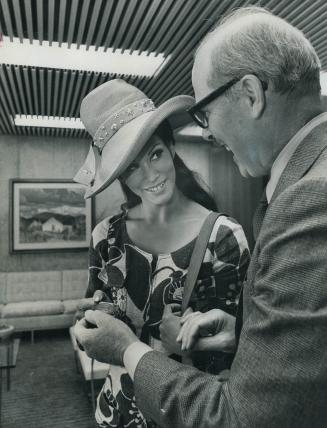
{"points": [[140, 256]]}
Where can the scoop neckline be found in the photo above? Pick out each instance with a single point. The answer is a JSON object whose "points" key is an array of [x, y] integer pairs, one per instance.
{"points": [[161, 255]]}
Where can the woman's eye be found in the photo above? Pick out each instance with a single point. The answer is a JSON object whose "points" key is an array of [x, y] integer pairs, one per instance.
{"points": [[156, 154], [129, 170]]}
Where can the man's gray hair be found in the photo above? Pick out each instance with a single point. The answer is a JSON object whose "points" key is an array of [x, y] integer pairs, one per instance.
{"points": [[264, 45]]}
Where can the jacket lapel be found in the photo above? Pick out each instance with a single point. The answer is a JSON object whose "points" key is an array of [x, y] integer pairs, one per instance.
{"points": [[302, 159]]}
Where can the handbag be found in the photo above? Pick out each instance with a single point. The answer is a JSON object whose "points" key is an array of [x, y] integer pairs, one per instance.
{"points": [[195, 264], [197, 257]]}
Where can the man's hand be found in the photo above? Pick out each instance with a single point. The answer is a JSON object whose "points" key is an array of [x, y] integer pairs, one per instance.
{"points": [[210, 331], [108, 341]]}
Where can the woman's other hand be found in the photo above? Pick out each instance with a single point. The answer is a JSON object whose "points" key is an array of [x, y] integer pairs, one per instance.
{"points": [[89, 303], [210, 331], [170, 328]]}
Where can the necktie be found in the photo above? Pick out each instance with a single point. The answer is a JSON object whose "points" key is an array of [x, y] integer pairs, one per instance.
{"points": [[259, 214]]}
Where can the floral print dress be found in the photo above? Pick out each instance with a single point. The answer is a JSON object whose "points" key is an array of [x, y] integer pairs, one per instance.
{"points": [[140, 284]]}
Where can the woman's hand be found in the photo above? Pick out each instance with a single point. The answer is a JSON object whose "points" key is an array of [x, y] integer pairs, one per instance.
{"points": [[170, 328], [89, 303], [210, 331]]}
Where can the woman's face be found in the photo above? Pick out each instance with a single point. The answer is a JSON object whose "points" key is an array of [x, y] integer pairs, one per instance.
{"points": [[152, 175]]}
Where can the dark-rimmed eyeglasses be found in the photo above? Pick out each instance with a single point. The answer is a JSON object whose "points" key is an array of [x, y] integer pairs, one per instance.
{"points": [[199, 116]]}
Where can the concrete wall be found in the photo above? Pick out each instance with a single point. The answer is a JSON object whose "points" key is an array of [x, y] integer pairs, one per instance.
{"points": [[59, 158], [36, 157]]}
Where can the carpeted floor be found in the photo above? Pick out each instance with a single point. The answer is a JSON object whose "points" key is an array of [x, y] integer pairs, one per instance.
{"points": [[46, 390]]}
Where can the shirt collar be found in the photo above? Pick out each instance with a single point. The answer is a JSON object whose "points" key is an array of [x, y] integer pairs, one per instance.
{"points": [[285, 155]]}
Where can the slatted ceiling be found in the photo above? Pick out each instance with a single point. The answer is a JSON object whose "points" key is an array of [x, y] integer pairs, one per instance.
{"points": [[27, 86], [172, 33], [115, 22], [5, 118], [128, 17], [55, 92], [29, 19], [303, 18], [7, 98], [169, 85], [316, 33], [279, 8], [159, 28], [61, 21], [135, 24], [7, 18], [36, 96], [19, 86], [300, 13], [172, 27], [101, 23], [83, 91], [321, 48], [72, 20], [81, 22], [40, 31], [105, 23], [145, 26], [319, 36], [18, 20], [93, 23], [271, 4], [288, 10], [14, 95], [2, 126], [48, 92], [51, 17], [62, 91], [198, 25], [157, 25]]}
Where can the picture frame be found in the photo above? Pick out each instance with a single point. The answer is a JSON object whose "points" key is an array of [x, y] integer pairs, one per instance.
{"points": [[48, 215]]}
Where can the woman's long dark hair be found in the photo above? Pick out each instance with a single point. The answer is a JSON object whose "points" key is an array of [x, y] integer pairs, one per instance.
{"points": [[186, 180]]}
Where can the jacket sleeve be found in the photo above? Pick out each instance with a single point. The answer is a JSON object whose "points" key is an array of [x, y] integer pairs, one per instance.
{"points": [[279, 374]]}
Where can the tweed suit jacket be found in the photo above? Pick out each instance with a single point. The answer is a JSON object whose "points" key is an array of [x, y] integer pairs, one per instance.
{"points": [[279, 374]]}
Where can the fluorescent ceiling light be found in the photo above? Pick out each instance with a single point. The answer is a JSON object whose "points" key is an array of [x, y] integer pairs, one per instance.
{"points": [[48, 121], [190, 130], [34, 55], [323, 82]]}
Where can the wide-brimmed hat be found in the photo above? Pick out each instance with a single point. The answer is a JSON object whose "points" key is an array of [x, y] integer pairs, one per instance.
{"points": [[121, 119]]}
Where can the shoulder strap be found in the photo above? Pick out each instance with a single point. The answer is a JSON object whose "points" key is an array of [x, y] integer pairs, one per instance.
{"points": [[197, 257]]}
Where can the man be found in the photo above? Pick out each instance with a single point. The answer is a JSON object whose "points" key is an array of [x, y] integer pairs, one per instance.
{"points": [[256, 81]]}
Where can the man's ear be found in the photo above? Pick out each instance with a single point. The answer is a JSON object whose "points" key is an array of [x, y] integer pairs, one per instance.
{"points": [[254, 95]]}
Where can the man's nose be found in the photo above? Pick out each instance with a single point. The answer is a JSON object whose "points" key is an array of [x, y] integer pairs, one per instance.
{"points": [[207, 135]]}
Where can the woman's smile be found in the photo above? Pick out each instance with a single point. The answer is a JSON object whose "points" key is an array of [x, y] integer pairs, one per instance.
{"points": [[157, 188]]}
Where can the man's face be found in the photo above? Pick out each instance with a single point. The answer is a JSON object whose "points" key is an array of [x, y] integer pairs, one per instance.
{"points": [[229, 122]]}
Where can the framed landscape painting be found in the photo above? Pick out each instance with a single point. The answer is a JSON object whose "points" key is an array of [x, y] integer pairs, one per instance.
{"points": [[49, 215]]}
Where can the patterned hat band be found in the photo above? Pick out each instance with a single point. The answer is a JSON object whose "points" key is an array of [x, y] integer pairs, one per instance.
{"points": [[116, 121]]}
